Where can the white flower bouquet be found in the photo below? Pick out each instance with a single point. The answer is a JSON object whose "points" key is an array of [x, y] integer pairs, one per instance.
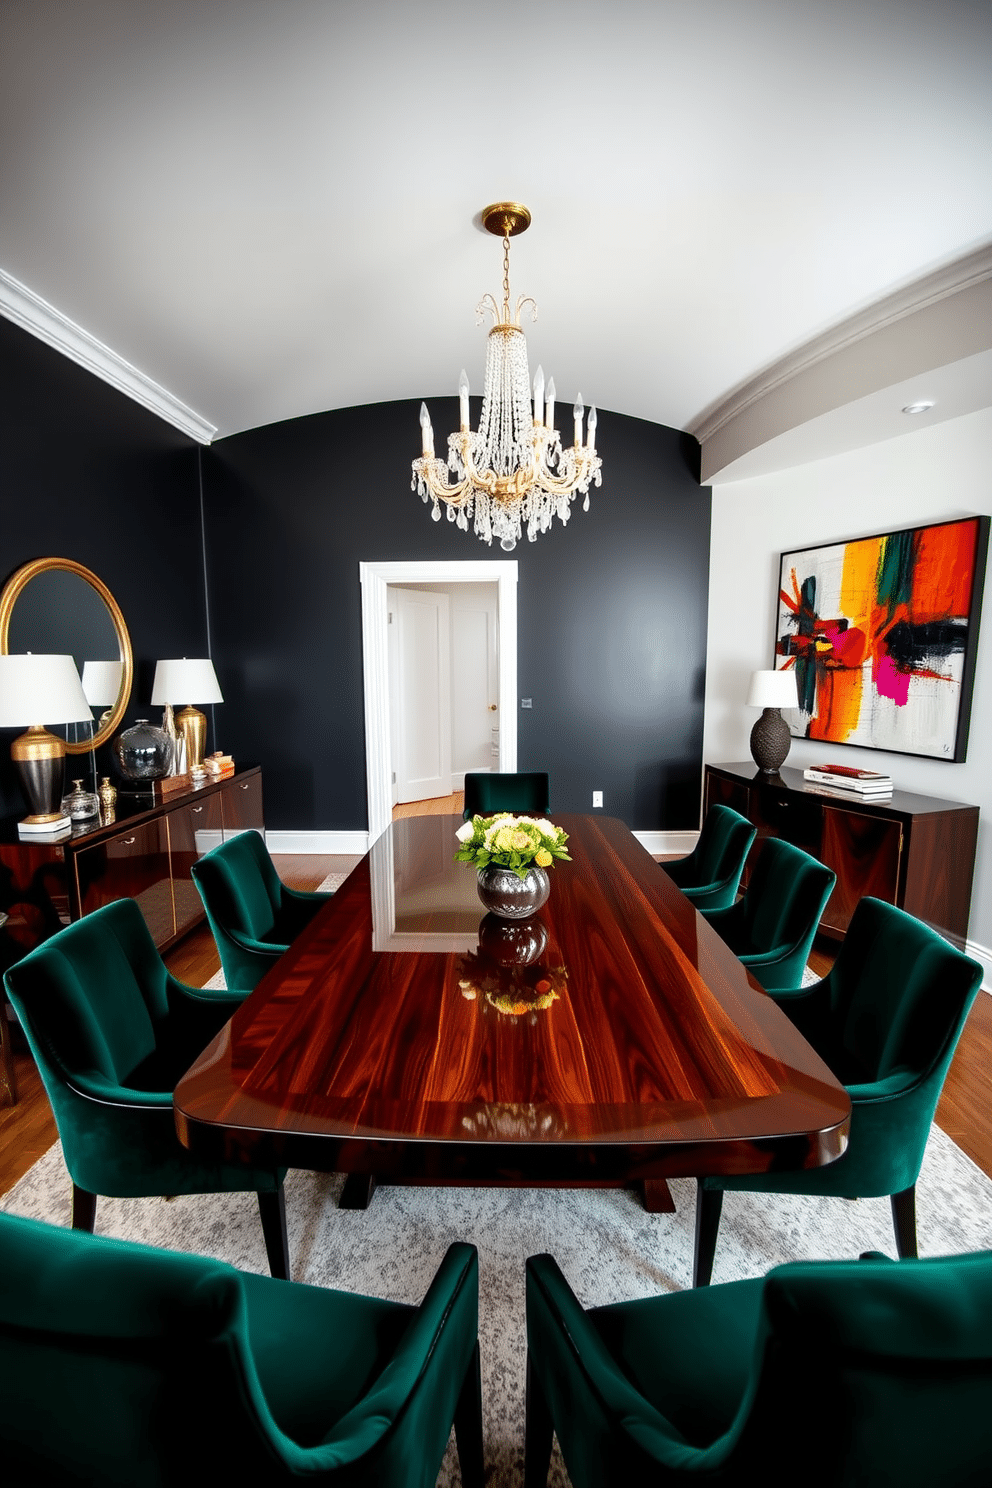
{"points": [[508, 841]]}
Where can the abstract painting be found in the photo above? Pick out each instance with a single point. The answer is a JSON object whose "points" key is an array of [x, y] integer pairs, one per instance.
{"points": [[882, 633]]}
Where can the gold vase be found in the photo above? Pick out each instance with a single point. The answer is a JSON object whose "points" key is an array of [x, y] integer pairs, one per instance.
{"points": [[108, 801], [192, 725]]}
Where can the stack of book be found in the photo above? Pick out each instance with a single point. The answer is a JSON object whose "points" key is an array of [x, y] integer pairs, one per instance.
{"points": [[844, 780]]}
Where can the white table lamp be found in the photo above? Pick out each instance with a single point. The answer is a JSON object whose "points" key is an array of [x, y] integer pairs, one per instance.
{"points": [[102, 685], [770, 737], [36, 690], [188, 681]]}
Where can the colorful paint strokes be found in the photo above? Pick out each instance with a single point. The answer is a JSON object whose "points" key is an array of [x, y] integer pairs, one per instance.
{"points": [[881, 632]]}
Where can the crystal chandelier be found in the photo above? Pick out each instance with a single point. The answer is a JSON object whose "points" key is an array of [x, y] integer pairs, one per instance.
{"points": [[513, 473]]}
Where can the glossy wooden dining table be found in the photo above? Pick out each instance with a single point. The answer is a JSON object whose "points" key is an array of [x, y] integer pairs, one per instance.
{"points": [[613, 1038]]}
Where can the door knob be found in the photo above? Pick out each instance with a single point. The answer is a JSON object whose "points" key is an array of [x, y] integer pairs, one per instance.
{"points": [[492, 707]]}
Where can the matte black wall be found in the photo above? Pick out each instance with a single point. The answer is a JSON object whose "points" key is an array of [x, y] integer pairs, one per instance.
{"points": [[611, 611], [87, 473]]}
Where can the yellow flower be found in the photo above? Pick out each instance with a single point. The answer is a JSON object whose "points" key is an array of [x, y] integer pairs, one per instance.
{"points": [[543, 858], [520, 841]]}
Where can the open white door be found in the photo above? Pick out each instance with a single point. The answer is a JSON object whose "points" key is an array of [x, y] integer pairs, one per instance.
{"points": [[422, 690], [376, 580]]}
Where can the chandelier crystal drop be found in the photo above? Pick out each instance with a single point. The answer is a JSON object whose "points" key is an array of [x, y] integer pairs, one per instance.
{"points": [[512, 474]]}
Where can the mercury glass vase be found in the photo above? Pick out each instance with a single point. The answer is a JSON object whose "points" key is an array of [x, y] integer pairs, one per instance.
{"points": [[506, 894], [143, 752]]}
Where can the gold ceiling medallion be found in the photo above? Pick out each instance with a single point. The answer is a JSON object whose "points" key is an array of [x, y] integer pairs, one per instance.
{"points": [[514, 472]]}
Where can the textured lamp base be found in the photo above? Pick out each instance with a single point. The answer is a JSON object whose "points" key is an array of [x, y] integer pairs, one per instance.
{"points": [[39, 758], [770, 741]]}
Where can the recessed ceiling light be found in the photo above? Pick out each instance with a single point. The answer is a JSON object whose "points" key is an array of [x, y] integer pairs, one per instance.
{"points": [[922, 407]]}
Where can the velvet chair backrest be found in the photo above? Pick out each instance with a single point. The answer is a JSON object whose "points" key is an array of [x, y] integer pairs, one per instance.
{"points": [[91, 997], [872, 1372], [117, 1363], [723, 843], [898, 992], [862, 1372], [786, 891], [526, 793], [239, 885], [124, 1365]]}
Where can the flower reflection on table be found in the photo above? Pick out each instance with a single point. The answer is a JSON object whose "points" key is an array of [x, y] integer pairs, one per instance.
{"points": [[507, 971]]}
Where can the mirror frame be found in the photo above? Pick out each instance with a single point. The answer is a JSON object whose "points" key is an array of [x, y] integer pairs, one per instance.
{"points": [[8, 597]]}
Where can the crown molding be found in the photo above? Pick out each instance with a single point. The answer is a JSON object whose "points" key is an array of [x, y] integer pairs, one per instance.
{"points": [[30, 311], [949, 279]]}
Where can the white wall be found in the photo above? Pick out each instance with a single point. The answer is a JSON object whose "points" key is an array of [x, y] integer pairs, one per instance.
{"points": [[927, 475]]}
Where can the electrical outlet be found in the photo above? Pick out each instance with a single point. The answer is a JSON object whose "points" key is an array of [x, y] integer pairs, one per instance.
{"points": [[526, 703], [597, 798]]}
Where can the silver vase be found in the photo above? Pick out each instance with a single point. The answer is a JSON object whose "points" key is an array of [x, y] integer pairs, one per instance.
{"points": [[510, 897]]}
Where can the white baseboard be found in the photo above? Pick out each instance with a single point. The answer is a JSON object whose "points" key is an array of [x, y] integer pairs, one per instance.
{"points": [[668, 842], [984, 955], [337, 843]]}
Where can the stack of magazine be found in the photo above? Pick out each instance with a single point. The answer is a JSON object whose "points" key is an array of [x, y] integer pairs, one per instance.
{"points": [[844, 780]]}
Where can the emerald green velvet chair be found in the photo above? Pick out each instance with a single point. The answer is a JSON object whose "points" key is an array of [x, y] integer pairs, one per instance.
{"points": [[886, 1022], [525, 792], [112, 1033], [122, 1365], [254, 916], [710, 876], [772, 926], [829, 1374]]}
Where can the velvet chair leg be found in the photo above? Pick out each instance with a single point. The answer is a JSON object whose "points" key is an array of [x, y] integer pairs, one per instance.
{"points": [[709, 1204], [272, 1209], [468, 1425], [83, 1209], [904, 1223], [539, 1433]]}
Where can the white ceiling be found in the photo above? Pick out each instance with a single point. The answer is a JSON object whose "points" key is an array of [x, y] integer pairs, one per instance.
{"points": [[270, 206]]}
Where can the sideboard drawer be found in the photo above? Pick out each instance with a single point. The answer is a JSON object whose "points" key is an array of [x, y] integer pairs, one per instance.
{"points": [[132, 865], [241, 806], [193, 830]]}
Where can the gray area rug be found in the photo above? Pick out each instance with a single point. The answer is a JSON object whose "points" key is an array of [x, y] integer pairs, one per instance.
{"points": [[607, 1246]]}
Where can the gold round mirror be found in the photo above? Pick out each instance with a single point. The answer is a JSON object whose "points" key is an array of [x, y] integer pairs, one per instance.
{"points": [[55, 606]]}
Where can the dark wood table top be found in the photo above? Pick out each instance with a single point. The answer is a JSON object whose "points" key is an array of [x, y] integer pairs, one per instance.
{"points": [[632, 1043]]}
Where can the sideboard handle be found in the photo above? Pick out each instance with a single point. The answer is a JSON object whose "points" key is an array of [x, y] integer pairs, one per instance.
{"points": [[129, 841], [244, 785], [197, 810]]}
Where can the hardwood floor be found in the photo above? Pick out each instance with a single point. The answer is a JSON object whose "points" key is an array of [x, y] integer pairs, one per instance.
{"points": [[27, 1129], [452, 805]]}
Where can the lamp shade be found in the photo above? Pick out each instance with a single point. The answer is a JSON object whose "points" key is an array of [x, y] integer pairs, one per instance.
{"points": [[41, 690], [102, 682], [186, 681], [773, 690]]}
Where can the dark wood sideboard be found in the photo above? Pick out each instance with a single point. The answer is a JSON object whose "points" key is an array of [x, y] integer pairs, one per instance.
{"points": [[144, 854], [917, 852]]}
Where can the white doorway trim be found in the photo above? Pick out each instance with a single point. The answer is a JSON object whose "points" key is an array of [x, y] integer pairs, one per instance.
{"points": [[375, 579]]}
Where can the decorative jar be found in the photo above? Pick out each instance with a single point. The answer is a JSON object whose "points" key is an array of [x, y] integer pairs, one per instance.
{"points": [[81, 805], [506, 894], [144, 752]]}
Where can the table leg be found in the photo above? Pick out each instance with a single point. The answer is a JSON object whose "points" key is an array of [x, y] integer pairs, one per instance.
{"points": [[657, 1196], [357, 1192]]}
